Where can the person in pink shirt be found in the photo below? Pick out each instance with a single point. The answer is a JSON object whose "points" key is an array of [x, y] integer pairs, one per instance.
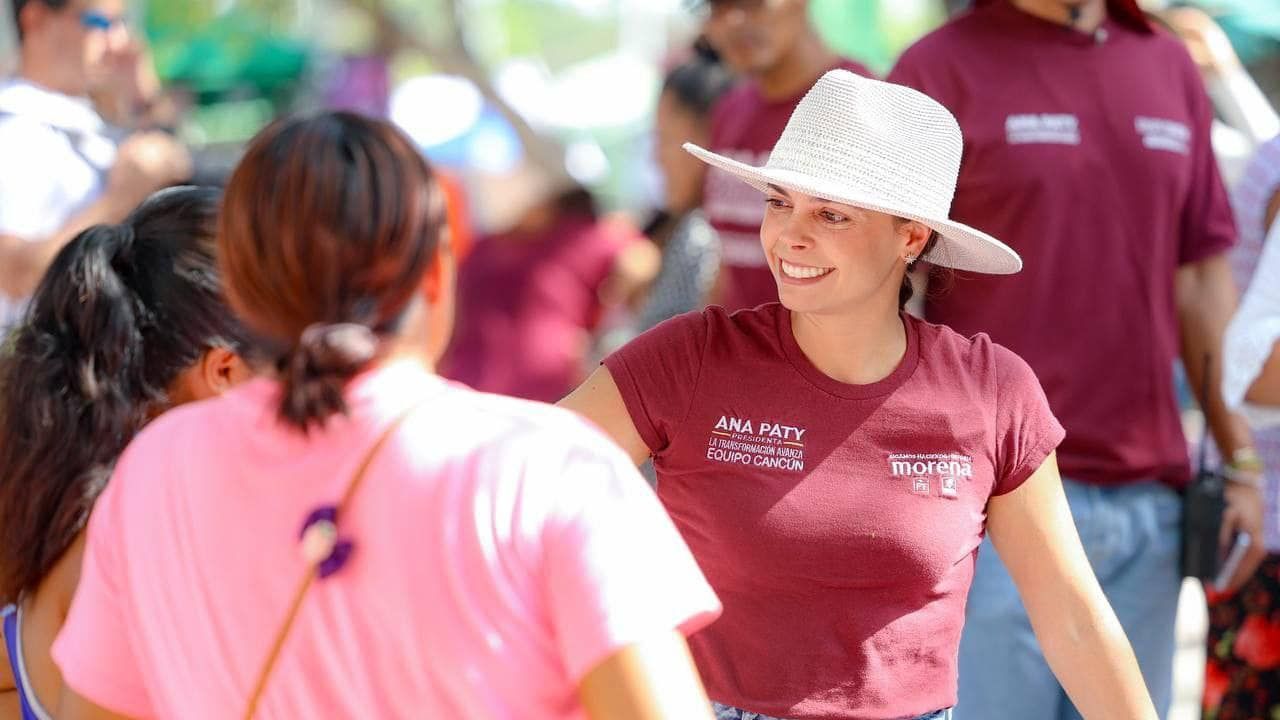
{"points": [[834, 463], [128, 321], [462, 555]]}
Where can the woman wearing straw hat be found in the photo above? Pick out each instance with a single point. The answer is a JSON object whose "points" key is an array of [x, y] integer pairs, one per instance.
{"points": [[834, 463]]}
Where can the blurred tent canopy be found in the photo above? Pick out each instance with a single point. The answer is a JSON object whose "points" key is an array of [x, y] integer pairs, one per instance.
{"points": [[234, 51]]}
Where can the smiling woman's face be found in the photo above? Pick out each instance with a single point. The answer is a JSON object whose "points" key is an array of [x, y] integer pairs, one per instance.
{"points": [[828, 257]]}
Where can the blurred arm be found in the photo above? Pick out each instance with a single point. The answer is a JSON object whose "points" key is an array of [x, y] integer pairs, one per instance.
{"points": [[650, 680]]}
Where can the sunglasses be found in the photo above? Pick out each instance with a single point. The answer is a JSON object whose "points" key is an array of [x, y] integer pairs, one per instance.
{"points": [[730, 4], [99, 21]]}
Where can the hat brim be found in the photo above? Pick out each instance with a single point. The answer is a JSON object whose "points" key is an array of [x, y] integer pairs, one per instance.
{"points": [[959, 246]]}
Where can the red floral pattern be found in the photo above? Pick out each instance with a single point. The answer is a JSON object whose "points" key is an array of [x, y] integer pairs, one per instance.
{"points": [[1242, 679]]}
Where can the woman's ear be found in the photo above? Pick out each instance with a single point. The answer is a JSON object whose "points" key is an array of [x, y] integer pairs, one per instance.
{"points": [[918, 235], [439, 281], [221, 369]]}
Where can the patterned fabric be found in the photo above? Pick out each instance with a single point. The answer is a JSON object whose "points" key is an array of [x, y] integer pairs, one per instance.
{"points": [[690, 259], [1242, 677], [724, 712], [1250, 197]]}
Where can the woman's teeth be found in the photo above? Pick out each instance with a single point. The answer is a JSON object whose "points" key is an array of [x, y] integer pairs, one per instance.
{"points": [[801, 272]]}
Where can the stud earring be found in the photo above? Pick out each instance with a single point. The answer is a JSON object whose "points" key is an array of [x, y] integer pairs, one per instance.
{"points": [[909, 259]]}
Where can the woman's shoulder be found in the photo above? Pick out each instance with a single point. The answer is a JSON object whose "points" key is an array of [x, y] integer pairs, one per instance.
{"points": [[197, 434], [978, 352]]}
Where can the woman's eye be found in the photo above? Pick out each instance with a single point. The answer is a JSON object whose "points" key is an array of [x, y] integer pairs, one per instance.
{"points": [[776, 203], [833, 217]]}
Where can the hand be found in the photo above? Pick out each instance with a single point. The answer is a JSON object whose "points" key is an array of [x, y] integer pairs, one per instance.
{"points": [[145, 163], [1243, 514], [126, 84], [1205, 40]]}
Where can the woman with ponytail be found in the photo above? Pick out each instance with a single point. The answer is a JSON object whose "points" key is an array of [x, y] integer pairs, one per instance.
{"points": [[128, 321], [351, 535]]}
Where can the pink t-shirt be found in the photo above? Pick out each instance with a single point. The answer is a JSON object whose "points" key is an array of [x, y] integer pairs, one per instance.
{"points": [[838, 523], [503, 549], [527, 305], [1090, 156], [745, 126]]}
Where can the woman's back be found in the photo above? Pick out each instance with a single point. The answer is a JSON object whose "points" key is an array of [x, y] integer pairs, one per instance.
{"points": [[502, 549]]}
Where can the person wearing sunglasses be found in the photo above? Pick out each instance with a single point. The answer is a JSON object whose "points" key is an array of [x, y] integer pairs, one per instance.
{"points": [[65, 167]]}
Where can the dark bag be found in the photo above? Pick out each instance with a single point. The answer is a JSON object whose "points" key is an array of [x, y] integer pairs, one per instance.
{"points": [[1203, 504]]}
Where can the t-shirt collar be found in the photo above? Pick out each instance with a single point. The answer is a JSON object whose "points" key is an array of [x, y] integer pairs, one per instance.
{"points": [[791, 102], [383, 391], [806, 368], [1028, 26]]}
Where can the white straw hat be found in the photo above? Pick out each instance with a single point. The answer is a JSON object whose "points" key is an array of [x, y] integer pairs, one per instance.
{"points": [[882, 147]]}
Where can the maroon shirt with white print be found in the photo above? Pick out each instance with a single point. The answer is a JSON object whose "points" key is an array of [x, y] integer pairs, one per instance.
{"points": [[1089, 154], [837, 523]]}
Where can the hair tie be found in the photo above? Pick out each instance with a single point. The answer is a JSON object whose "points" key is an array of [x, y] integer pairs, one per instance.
{"points": [[335, 348]]}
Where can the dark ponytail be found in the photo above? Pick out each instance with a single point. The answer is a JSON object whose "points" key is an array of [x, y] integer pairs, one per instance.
{"points": [[120, 313]]}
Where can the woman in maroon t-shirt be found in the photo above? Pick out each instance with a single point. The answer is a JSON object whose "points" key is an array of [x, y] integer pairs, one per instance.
{"points": [[834, 463]]}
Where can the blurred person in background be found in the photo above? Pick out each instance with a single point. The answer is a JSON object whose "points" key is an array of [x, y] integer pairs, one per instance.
{"points": [[63, 169], [1244, 118], [1087, 146], [128, 322], [1242, 676], [532, 297], [488, 565], [776, 49], [690, 249]]}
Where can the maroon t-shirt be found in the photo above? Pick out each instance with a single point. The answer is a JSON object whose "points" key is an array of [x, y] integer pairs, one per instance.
{"points": [[745, 126], [838, 523], [1090, 156], [527, 303]]}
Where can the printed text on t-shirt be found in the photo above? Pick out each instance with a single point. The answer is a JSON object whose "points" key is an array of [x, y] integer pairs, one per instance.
{"points": [[1042, 128], [922, 468], [1162, 134], [757, 443]]}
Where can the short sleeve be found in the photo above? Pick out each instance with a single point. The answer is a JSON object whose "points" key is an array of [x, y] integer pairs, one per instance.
{"points": [[1208, 225], [93, 651], [657, 375], [1253, 333], [1027, 431], [615, 568]]}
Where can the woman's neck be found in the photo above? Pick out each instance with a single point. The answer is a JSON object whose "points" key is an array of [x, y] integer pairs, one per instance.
{"points": [[856, 349]]}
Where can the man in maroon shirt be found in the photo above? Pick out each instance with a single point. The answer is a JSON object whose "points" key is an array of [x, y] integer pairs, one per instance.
{"points": [[775, 47], [1087, 150]]}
